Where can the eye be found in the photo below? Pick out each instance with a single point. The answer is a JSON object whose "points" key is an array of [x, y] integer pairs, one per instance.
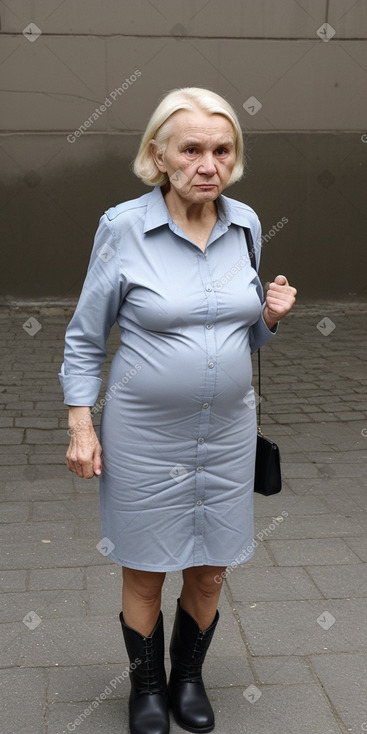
{"points": [[190, 150], [221, 150]]}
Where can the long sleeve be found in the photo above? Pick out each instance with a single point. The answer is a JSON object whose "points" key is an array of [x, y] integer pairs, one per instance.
{"points": [[260, 332], [95, 314]]}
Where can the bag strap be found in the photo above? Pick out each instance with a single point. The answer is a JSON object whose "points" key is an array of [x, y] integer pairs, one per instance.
{"points": [[250, 247], [251, 253]]}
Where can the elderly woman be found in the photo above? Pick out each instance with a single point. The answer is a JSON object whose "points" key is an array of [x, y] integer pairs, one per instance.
{"points": [[178, 428]]}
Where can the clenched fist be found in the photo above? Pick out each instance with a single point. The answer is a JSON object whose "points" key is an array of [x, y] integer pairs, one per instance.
{"points": [[280, 298]]}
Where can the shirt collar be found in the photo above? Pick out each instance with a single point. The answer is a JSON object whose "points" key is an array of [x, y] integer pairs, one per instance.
{"points": [[230, 211], [157, 213]]}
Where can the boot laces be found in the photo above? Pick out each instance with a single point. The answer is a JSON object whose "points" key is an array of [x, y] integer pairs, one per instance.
{"points": [[192, 673], [149, 681]]}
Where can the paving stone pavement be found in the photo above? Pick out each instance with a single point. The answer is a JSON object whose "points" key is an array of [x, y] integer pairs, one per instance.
{"points": [[290, 652]]}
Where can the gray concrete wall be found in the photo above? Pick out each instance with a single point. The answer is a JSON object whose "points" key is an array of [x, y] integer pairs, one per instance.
{"points": [[305, 133]]}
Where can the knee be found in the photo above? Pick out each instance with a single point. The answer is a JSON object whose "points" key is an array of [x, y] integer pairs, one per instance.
{"points": [[205, 583], [143, 584], [207, 589]]}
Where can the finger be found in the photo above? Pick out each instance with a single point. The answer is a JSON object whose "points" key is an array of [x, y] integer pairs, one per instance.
{"points": [[279, 301], [281, 280], [285, 288], [97, 461], [280, 292], [83, 470], [86, 469], [279, 306], [75, 468], [88, 472]]}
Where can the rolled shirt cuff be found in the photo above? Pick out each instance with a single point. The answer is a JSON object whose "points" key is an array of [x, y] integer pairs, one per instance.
{"points": [[82, 390], [260, 333], [275, 327]]}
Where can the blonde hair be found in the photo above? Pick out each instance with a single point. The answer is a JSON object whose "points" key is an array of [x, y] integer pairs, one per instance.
{"points": [[159, 129]]}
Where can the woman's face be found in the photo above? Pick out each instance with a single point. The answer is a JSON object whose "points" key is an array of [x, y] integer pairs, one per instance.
{"points": [[200, 155]]}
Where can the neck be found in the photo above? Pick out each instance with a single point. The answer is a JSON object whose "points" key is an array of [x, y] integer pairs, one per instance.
{"points": [[188, 211]]}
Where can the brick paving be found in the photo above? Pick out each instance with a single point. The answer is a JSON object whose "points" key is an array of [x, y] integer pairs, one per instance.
{"points": [[290, 651]]}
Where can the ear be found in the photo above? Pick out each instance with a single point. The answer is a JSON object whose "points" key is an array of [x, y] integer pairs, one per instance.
{"points": [[158, 156]]}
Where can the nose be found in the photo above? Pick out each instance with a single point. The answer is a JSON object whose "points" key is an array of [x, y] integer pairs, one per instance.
{"points": [[207, 165]]}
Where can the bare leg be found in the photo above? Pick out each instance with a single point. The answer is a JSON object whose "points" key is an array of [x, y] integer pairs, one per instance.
{"points": [[141, 599], [200, 593]]}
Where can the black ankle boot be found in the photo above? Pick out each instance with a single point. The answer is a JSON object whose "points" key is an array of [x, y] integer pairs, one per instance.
{"points": [[148, 702], [188, 647]]}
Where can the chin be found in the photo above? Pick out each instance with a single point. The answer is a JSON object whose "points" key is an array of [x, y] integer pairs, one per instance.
{"points": [[207, 192]]}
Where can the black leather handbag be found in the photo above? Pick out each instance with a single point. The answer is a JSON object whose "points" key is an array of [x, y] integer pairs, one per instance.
{"points": [[268, 478]]}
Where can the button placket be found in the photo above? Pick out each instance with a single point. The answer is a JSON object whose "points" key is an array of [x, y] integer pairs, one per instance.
{"points": [[199, 510], [209, 344]]}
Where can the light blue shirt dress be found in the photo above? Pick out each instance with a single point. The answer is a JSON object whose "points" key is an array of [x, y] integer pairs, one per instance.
{"points": [[178, 427]]}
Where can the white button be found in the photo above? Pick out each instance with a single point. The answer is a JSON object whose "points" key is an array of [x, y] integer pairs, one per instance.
{"points": [[211, 365], [199, 502], [205, 405], [201, 440], [208, 288], [199, 468], [209, 326]]}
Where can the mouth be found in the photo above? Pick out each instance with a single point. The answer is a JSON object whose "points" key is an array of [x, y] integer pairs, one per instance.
{"points": [[206, 187]]}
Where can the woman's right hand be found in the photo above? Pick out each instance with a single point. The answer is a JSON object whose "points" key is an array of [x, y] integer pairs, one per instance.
{"points": [[83, 456]]}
